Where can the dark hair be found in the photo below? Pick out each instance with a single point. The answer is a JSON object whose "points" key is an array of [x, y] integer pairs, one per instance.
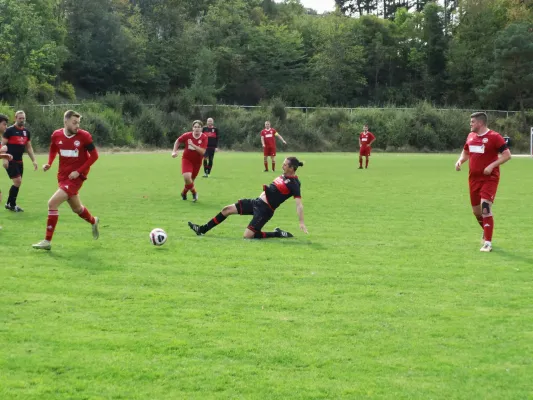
{"points": [[295, 163], [3, 118], [480, 116]]}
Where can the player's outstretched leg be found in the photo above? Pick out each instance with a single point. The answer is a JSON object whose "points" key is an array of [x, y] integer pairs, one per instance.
{"points": [[278, 233], [488, 225], [51, 222]]}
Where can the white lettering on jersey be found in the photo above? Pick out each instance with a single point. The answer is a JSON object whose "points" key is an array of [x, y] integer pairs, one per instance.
{"points": [[269, 135], [191, 147], [476, 149], [69, 153], [364, 139], [60, 142]]}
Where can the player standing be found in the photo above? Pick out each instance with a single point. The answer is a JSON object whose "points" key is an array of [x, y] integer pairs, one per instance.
{"points": [[212, 143], [3, 149], [18, 139], [483, 148], [366, 139], [268, 140], [76, 155], [191, 161], [263, 207]]}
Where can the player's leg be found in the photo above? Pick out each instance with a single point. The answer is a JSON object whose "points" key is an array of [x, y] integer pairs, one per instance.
{"points": [[188, 184], [265, 160], [475, 201], [273, 159], [367, 157], [193, 177], [75, 204], [262, 214], [488, 224], [210, 164], [206, 165], [360, 159], [241, 207], [14, 171], [59, 197]]}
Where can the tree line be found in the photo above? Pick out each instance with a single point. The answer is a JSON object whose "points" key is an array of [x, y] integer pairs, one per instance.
{"points": [[472, 53]]}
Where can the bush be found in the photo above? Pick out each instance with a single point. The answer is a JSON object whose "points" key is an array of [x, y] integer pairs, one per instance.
{"points": [[113, 100], [132, 105], [149, 128], [66, 90]]}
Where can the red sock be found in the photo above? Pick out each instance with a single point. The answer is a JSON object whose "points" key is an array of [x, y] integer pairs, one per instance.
{"points": [[266, 165], [479, 220], [192, 188], [86, 215], [488, 227], [360, 162], [366, 163], [53, 216], [187, 188], [273, 165]]}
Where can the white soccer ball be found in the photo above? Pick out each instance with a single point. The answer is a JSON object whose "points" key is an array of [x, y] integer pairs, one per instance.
{"points": [[158, 237]]}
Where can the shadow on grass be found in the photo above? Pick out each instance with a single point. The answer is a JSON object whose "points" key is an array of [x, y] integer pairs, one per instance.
{"points": [[514, 256]]}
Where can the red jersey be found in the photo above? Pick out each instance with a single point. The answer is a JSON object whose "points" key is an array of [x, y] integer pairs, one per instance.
{"points": [[366, 138], [483, 150], [269, 137], [73, 152], [189, 153]]}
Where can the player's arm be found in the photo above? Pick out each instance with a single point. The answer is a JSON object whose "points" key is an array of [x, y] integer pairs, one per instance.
{"points": [[372, 141], [505, 156], [216, 139], [360, 143], [52, 153], [281, 137], [199, 149], [462, 159], [93, 156], [262, 141], [29, 150], [179, 140], [300, 212]]}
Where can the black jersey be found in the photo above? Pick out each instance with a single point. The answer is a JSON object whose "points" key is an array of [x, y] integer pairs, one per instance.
{"points": [[212, 136], [281, 189], [16, 141]]}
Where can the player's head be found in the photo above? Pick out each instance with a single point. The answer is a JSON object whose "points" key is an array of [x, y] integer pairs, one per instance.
{"points": [[210, 122], [20, 118], [291, 164], [478, 121], [197, 126], [72, 121], [267, 124], [3, 123], [365, 127]]}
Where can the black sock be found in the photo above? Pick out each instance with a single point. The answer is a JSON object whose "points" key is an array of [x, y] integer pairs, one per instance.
{"points": [[13, 193], [266, 235], [214, 222], [205, 166]]}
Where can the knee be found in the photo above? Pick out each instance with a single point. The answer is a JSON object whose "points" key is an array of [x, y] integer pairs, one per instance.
{"points": [[17, 181], [226, 211], [248, 234], [486, 210]]}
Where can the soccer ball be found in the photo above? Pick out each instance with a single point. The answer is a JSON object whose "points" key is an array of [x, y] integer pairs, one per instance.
{"points": [[158, 237]]}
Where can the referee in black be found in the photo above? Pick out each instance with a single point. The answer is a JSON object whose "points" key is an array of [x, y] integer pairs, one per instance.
{"points": [[212, 143], [17, 138]]}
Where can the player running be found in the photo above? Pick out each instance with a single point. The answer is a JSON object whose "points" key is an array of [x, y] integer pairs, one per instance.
{"points": [[483, 148], [191, 161], [263, 207], [17, 138], [366, 139], [76, 155], [268, 141], [212, 143]]}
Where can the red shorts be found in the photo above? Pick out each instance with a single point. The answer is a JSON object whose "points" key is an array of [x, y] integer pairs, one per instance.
{"points": [[482, 189], [365, 151], [71, 186], [189, 166], [269, 151]]}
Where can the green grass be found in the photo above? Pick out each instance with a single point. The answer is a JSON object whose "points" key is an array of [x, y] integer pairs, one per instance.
{"points": [[387, 297]]}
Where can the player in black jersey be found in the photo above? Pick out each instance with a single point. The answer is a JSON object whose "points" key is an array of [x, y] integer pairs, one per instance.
{"points": [[263, 207], [3, 149], [18, 139], [212, 143]]}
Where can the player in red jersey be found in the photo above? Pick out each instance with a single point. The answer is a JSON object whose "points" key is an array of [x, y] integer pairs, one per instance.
{"points": [[191, 161], [486, 151], [263, 207], [76, 155], [17, 138], [366, 139], [3, 149], [268, 140]]}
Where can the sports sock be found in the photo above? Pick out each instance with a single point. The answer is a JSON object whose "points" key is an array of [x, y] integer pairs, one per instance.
{"points": [[13, 193], [488, 228], [273, 165], [266, 235], [360, 162], [186, 188], [266, 165], [206, 170], [366, 163], [53, 216], [86, 215], [218, 219]]}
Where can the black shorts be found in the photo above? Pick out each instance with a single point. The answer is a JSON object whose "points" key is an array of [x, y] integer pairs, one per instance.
{"points": [[259, 209], [15, 169], [209, 152]]}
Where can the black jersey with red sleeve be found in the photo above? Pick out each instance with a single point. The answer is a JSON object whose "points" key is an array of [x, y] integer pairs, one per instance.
{"points": [[281, 189], [212, 136], [17, 138]]}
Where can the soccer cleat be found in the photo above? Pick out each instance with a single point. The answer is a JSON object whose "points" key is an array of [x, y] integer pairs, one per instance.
{"points": [[487, 247], [205, 175], [96, 233], [17, 209], [195, 197], [196, 228], [283, 234], [8, 207], [266, 170], [184, 196], [43, 245], [360, 168]]}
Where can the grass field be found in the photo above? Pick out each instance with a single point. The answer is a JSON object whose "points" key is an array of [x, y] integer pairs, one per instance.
{"points": [[387, 296]]}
